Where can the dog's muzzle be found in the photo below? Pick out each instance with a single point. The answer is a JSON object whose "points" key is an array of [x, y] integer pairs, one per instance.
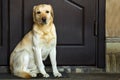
{"points": [[44, 20]]}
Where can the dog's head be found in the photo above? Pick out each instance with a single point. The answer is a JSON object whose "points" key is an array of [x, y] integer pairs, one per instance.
{"points": [[43, 14]]}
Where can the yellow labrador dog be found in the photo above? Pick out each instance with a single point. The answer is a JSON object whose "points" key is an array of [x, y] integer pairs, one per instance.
{"points": [[27, 58]]}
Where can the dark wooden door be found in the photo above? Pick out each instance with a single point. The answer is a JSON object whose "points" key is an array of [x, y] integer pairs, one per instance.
{"points": [[77, 25]]}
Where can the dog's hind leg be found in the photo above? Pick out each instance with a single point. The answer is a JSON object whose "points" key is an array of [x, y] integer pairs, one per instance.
{"points": [[26, 63], [25, 59], [21, 64]]}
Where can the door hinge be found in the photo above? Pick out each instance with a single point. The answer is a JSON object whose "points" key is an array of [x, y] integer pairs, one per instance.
{"points": [[95, 28]]}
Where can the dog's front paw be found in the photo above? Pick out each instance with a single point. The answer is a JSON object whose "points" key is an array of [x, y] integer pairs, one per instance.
{"points": [[46, 75], [57, 74], [33, 74]]}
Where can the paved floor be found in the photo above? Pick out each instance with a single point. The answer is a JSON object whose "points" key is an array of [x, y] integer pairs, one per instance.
{"points": [[81, 76]]}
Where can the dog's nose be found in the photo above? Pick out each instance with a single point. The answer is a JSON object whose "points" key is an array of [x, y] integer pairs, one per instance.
{"points": [[44, 19]]}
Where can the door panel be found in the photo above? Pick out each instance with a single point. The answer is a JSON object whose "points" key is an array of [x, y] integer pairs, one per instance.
{"points": [[3, 32], [69, 19]]}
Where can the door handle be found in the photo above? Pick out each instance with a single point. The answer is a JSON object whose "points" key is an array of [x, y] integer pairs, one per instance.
{"points": [[95, 28]]}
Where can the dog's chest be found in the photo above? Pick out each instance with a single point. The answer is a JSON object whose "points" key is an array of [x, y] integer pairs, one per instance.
{"points": [[47, 43], [47, 38]]}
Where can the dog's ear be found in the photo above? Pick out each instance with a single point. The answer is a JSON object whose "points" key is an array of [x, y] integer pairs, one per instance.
{"points": [[52, 13], [34, 8]]}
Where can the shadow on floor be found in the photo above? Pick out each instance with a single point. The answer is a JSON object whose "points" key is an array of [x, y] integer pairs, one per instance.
{"points": [[75, 76]]}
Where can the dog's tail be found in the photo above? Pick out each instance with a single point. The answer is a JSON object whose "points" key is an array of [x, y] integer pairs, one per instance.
{"points": [[23, 75]]}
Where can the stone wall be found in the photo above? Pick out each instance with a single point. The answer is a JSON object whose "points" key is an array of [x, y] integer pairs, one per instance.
{"points": [[113, 35], [113, 18]]}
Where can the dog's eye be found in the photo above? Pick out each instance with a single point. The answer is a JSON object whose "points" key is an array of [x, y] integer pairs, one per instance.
{"points": [[38, 12], [47, 11]]}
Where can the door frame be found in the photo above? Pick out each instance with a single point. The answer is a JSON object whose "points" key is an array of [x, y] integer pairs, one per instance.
{"points": [[101, 34]]}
